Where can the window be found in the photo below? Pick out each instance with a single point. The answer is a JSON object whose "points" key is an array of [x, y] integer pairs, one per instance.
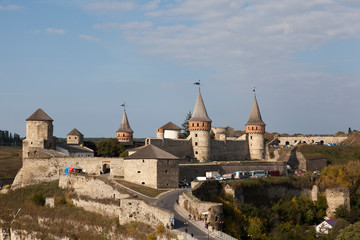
{"points": [[197, 124], [143, 183], [123, 134], [196, 152], [166, 171], [195, 143], [139, 171], [203, 124], [192, 124], [143, 160], [195, 135]]}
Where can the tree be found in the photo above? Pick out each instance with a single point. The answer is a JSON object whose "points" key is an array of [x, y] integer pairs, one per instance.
{"points": [[185, 127], [350, 232], [109, 148]]}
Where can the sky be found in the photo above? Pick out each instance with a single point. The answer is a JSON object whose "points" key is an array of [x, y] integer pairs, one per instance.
{"points": [[79, 60]]}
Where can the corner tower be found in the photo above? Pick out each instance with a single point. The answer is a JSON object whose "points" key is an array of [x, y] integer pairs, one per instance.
{"points": [[124, 134], [199, 127], [255, 130], [39, 132]]}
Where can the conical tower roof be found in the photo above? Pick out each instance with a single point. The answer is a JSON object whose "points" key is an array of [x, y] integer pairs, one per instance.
{"points": [[125, 126], [255, 116], [199, 113], [39, 115]]}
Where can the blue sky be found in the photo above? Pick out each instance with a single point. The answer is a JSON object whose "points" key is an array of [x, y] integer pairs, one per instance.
{"points": [[79, 60]]}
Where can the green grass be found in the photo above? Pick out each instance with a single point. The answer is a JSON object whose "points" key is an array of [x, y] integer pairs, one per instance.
{"points": [[10, 161], [147, 191], [334, 154], [64, 219]]}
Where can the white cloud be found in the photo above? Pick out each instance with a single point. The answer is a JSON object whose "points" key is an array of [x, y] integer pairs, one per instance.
{"points": [[10, 7], [152, 5], [89, 38], [103, 7], [55, 31], [125, 26]]}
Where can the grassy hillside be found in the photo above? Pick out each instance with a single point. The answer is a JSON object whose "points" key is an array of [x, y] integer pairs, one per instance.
{"points": [[10, 161], [64, 219], [334, 154]]}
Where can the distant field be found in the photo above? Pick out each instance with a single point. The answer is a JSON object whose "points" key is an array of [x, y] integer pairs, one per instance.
{"points": [[10, 161], [334, 154]]}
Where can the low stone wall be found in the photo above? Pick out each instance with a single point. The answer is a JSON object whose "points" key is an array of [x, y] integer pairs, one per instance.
{"points": [[101, 208], [138, 210], [92, 186], [191, 171], [336, 197], [44, 170], [196, 207]]}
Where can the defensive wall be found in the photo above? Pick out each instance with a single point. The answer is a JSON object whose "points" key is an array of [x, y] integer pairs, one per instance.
{"points": [[118, 201], [229, 150], [191, 171], [336, 197], [310, 140], [49, 169], [196, 203], [181, 148], [92, 186]]}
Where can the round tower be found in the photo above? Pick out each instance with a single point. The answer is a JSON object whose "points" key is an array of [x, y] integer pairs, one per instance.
{"points": [[39, 132], [255, 130], [199, 127], [160, 133], [124, 134]]}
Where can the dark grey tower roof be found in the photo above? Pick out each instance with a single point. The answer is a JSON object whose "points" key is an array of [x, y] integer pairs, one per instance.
{"points": [[255, 116], [39, 115], [75, 132], [199, 113], [151, 152], [125, 126], [170, 126]]}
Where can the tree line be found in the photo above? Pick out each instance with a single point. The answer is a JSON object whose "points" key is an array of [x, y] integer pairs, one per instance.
{"points": [[9, 139]]}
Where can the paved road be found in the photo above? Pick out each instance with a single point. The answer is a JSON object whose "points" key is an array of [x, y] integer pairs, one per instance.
{"points": [[168, 202]]}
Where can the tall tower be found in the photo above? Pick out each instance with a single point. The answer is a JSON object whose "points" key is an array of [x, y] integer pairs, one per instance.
{"points": [[39, 132], [125, 134], [255, 130], [199, 127]]}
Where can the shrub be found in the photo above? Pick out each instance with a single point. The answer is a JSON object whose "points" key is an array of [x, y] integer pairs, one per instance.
{"points": [[59, 200], [38, 199]]}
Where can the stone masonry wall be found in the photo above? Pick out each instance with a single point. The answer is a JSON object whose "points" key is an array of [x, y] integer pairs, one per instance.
{"points": [[91, 186], [43, 170], [311, 140], [101, 208], [197, 207], [182, 148], [336, 197], [138, 210], [229, 150], [191, 171]]}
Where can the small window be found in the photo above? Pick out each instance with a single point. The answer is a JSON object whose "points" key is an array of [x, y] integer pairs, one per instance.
{"points": [[192, 124], [139, 171], [69, 137], [250, 137], [75, 137], [143, 183], [196, 143], [203, 124], [123, 134], [195, 135], [166, 171], [196, 152], [143, 160], [197, 124]]}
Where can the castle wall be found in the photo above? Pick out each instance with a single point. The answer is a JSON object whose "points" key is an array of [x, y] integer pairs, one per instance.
{"points": [[336, 197], [191, 171], [91, 186], [201, 145], [44, 170], [181, 148], [139, 211], [141, 171], [101, 208], [229, 150], [168, 174], [310, 140]]}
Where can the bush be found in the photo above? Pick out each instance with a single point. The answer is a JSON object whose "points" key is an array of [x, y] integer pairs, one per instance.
{"points": [[38, 199], [60, 201]]}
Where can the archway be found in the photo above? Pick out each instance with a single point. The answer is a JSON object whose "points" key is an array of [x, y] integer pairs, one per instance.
{"points": [[106, 168], [287, 143], [322, 142]]}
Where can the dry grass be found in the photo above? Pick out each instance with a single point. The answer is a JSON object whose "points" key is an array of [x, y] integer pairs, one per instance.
{"points": [[334, 154], [64, 219], [147, 191], [10, 161]]}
